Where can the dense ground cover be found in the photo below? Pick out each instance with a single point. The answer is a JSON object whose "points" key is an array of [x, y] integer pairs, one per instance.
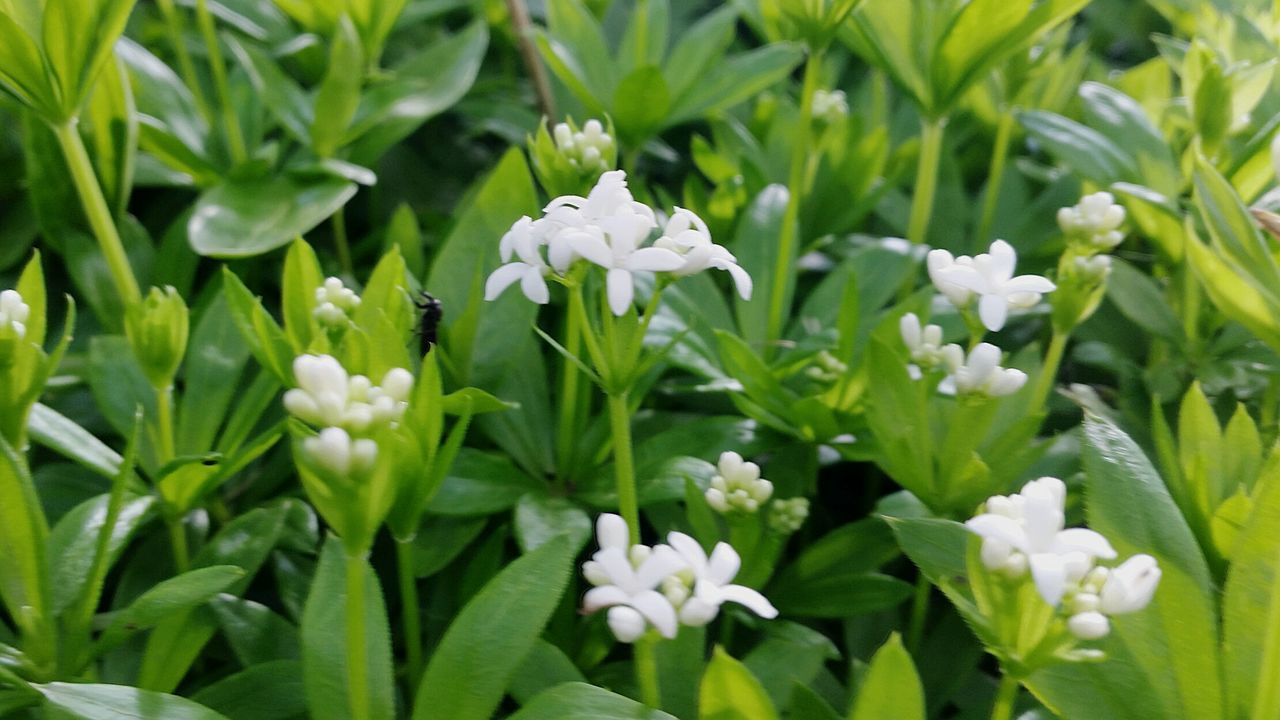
{"points": [[373, 359]]}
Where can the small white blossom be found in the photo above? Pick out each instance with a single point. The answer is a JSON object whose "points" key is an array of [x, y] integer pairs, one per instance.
{"points": [[710, 582], [625, 579], [978, 374], [13, 314], [1096, 219], [924, 344], [1030, 524], [990, 277], [688, 236], [830, 105], [523, 241], [1130, 587], [334, 303], [327, 396], [334, 452], [737, 485], [1089, 625]]}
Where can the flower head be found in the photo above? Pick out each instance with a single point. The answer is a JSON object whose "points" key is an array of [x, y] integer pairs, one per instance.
{"points": [[588, 149], [334, 453], [524, 240], [707, 583], [787, 516], [978, 374], [1095, 220], [990, 277], [327, 396], [334, 303], [625, 579], [924, 343], [688, 236], [830, 105], [13, 315], [737, 485]]}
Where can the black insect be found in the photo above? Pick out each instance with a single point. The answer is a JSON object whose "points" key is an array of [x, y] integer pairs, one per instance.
{"points": [[432, 313]]}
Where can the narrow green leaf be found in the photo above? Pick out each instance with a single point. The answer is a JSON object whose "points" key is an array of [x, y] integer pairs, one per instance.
{"points": [[891, 687], [118, 702], [730, 692], [579, 701]]}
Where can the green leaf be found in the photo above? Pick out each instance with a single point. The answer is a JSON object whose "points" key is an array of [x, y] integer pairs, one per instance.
{"points": [[74, 540], [1122, 119], [640, 104], [484, 646], [211, 373], [756, 246], [579, 701], [168, 598], [1081, 148], [61, 434], [269, 691], [24, 532], [339, 93], [730, 692], [1232, 229], [698, 46], [736, 80], [118, 702], [791, 655], [545, 667], [290, 104], [1138, 298], [1175, 640], [250, 216], [891, 687], [255, 633], [480, 484], [112, 123], [325, 650], [573, 25], [540, 519], [302, 277], [841, 595], [267, 341], [22, 69]]}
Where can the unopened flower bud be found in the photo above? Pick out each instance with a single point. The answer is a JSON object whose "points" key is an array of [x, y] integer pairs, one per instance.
{"points": [[334, 304], [157, 329], [1089, 625], [333, 452], [1093, 222], [830, 106], [1130, 586], [627, 624], [787, 516], [738, 486]]}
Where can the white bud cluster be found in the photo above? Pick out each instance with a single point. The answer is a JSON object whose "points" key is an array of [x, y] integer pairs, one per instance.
{"points": [[787, 516], [334, 452], [924, 343], [334, 303], [1095, 220], [585, 149], [1094, 269], [327, 396], [979, 374], [737, 486], [830, 106], [13, 315]]}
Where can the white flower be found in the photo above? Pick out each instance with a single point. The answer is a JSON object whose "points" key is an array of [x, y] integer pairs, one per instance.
{"points": [[688, 236], [830, 105], [940, 262], [625, 580], [614, 245], [334, 452], [1096, 219], [980, 373], [924, 344], [529, 269], [327, 396], [13, 314], [1130, 587], [1031, 523], [1089, 625], [990, 276], [737, 485], [334, 303], [711, 580]]}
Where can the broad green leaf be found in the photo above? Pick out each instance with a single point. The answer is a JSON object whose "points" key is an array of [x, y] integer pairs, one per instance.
{"points": [[841, 595], [1083, 149], [891, 687], [1137, 296], [1123, 120], [211, 373], [756, 246], [118, 702], [251, 216], [255, 633], [640, 104], [888, 35], [1234, 294], [980, 32], [112, 125], [1175, 640], [736, 80], [267, 340], [730, 692], [160, 94], [545, 667], [572, 24], [471, 668], [1232, 229], [790, 655], [290, 104], [269, 691], [74, 540], [540, 519], [699, 44], [168, 598], [480, 484], [24, 533], [326, 651], [579, 701], [303, 276], [22, 69], [339, 93]]}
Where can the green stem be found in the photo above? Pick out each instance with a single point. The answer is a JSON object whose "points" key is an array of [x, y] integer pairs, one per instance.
{"points": [[624, 470], [230, 120], [995, 177], [791, 214], [178, 542], [919, 613], [1006, 695], [99, 214], [646, 661], [82, 621], [931, 131], [1049, 371], [176, 29], [567, 430], [409, 612], [342, 243], [357, 662], [164, 423]]}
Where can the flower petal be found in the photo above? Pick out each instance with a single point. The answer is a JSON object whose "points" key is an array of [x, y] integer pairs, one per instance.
{"points": [[655, 259], [657, 610], [1050, 575], [1083, 540], [621, 291], [990, 525], [1002, 258], [502, 278], [994, 310], [663, 561], [612, 531], [724, 564], [691, 551], [741, 280], [750, 599], [534, 286], [592, 247], [1028, 284], [603, 597]]}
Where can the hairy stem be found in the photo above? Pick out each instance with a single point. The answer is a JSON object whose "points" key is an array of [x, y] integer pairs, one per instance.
{"points": [[931, 131], [357, 654], [995, 177], [646, 662], [1005, 697], [409, 612], [624, 470]]}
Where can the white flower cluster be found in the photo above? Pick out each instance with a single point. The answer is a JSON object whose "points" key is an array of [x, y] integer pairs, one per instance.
{"points": [[334, 303], [1024, 532], [13, 314], [586, 149], [663, 586], [606, 228], [830, 105], [978, 374], [1096, 220], [737, 485], [348, 408], [988, 277]]}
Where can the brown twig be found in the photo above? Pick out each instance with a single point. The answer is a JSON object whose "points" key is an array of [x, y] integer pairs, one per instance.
{"points": [[523, 28]]}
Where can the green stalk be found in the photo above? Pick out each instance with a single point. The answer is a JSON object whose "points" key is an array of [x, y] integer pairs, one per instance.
{"points": [[357, 654], [790, 216], [567, 429], [646, 662], [341, 242], [919, 613], [995, 177], [624, 470], [164, 423], [1049, 370], [1006, 695], [175, 28], [931, 131], [178, 542], [99, 214], [82, 621], [218, 68], [409, 612]]}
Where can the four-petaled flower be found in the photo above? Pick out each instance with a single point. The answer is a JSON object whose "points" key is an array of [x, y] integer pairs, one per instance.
{"points": [[687, 235], [980, 373], [711, 581], [625, 579], [990, 277]]}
